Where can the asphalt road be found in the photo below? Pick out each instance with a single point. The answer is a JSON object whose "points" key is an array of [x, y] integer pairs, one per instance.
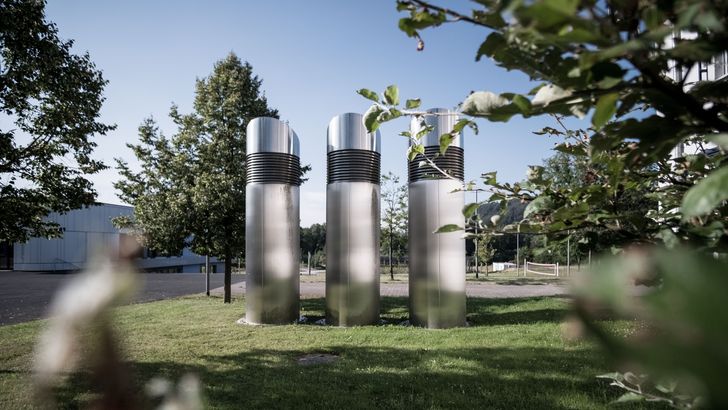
{"points": [[473, 289], [25, 296]]}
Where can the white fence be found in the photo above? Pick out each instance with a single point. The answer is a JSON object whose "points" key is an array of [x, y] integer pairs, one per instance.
{"points": [[547, 269]]}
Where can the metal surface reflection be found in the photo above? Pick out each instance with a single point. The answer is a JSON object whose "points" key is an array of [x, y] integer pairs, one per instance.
{"points": [[272, 247], [352, 223], [436, 261]]}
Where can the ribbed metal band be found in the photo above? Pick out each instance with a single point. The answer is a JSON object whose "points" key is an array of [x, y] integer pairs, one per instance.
{"points": [[273, 168], [353, 165], [452, 162]]}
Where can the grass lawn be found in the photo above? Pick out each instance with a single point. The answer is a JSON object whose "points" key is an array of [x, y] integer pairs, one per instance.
{"points": [[513, 356], [510, 278]]}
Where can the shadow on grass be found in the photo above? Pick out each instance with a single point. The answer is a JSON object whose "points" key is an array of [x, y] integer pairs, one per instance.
{"points": [[390, 377], [520, 281], [405, 368], [481, 311]]}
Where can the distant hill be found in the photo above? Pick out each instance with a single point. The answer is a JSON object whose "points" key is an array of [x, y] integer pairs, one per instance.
{"points": [[513, 214], [504, 245]]}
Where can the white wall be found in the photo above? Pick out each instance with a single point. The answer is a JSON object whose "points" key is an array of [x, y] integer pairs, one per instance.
{"points": [[88, 231]]}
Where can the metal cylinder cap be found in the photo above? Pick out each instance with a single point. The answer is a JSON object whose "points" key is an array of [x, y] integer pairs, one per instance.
{"points": [[266, 134], [347, 131], [443, 123]]}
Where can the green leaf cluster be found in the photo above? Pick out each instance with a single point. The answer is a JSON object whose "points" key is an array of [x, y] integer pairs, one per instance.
{"points": [[190, 190], [683, 315], [624, 65], [609, 62], [53, 99], [394, 218]]}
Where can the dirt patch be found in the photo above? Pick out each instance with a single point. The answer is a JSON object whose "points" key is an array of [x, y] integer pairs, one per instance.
{"points": [[317, 358]]}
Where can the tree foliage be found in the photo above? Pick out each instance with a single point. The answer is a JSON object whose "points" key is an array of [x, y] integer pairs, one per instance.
{"points": [[484, 248], [313, 240], [53, 98], [190, 190], [609, 61], [395, 217]]}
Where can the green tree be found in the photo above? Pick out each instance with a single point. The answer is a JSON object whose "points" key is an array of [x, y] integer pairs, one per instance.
{"points": [[394, 216], [313, 239], [609, 60], [53, 97], [159, 198], [191, 188], [318, 259], [485, 250]]}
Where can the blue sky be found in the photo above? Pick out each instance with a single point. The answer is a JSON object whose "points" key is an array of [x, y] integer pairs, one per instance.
{"points": [[312, 56]]}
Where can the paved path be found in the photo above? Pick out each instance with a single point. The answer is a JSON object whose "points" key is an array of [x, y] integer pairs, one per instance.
{"points": [[473, 289], [25, 296]]}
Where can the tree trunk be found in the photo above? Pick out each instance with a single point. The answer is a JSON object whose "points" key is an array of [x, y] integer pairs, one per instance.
{"points": [[228, 276], [477, 262], [207, 275], [391, 267]]}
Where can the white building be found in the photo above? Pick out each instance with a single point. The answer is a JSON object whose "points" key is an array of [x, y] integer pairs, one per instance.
{"points": [[716, 70], [86, 232]]}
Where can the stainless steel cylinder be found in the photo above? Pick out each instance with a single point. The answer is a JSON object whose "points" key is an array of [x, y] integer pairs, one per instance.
{"points": [[272, 219], [436, 260], [352, 223]]}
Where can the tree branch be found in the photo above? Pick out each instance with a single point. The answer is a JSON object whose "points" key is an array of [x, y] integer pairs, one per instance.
{"points": [[458, 16], [675, 92]]}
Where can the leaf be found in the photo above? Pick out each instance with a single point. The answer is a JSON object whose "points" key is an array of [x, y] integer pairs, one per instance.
{"points": [[632, 378], [491, 45], [695, 50], [708, 21], [424, 130], [703, 197], [629, 397], [461, 124], [469, 209], [414, 150], [481, 103], [549, 93], [666, 387], [565, 6], [448, 228], [412, 104], [391, 95], [401, 6], [539, 204], [669, 239], [611, 376], [572, 149], [419, 20], [445, 141], [368, 94], [547, 14], [606, 107], [607, 74], [388, 115], [371, 116], [579, 35], [522, 102], [489, 19], [720, 140], [489, 178]]}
